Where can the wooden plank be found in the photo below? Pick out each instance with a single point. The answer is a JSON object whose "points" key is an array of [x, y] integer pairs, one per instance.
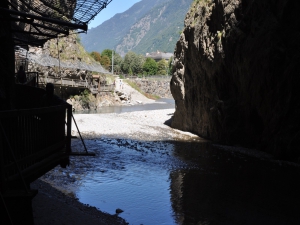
{"points": [[38, 169], [82, 154], [25, 112], [37, 156]]}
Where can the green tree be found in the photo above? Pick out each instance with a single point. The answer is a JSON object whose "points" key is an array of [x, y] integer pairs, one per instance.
{"points": [[170, 64], [130, 71], [118, 60], [107, 52], [140, 60], [150, 66], [133, 61], [96, 56], [162, 66]]}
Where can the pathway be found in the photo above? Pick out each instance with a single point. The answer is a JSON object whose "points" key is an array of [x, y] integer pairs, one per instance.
{"points": [[135, 95]]}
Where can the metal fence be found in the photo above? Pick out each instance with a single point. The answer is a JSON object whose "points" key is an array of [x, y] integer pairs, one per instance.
{"points": [[63, 81], [148, 77], [103, 87], [47, 60], [76, 83], [32, 141]]}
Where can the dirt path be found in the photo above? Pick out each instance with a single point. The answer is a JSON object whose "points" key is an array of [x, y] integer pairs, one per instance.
{"points": [[136, 97]]}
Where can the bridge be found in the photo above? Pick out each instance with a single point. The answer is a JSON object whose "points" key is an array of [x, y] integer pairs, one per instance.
{"points": [[67, 82], [33, 79]]}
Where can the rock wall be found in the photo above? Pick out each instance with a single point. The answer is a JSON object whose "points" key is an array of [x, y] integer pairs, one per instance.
{"points": [[236, 74], [47, 71], [91, 103], [159, 88], [68, 50]]}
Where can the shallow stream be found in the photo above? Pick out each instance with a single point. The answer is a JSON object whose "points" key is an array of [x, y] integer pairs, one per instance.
{"points": [[184, 182]]}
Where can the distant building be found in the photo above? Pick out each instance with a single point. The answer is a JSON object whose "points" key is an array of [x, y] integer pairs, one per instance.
{"points": [[157, 56]]}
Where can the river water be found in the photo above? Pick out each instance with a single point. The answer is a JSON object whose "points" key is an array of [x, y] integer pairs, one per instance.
{"points": [[185, 182], [163, 103]]}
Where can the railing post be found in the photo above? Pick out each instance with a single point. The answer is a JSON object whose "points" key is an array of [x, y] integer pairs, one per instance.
{"points": [[69, 127], [37, 79], [2, 180], [99, 85]]}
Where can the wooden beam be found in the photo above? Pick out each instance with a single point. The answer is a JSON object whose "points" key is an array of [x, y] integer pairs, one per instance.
{"points": [[51, 28], [38, 156], [50, 20], [34, 33], [34, 42]]}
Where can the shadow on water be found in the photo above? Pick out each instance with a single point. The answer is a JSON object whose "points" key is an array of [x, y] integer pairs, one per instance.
{"points": [[181, 182], [232, 188]]}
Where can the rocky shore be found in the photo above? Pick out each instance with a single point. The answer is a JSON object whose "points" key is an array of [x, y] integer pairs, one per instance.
{"points": [[123, 94], [55, 203], [53, 207]]}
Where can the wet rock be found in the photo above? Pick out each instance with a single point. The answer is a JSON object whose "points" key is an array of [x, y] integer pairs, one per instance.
{"points": [[123, 97], [119, 211]]}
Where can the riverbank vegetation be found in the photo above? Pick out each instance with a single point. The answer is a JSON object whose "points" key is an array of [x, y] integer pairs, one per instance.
{"points": [[132, 63]]}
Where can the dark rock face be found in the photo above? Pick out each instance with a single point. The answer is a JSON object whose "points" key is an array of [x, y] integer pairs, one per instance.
{"points": [[236, 74]]}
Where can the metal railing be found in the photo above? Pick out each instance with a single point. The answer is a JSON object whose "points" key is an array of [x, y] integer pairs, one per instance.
{"points": [[149, 77], [103, 87], [64, 81], [76, 83], [32, 79], [33, 141]]}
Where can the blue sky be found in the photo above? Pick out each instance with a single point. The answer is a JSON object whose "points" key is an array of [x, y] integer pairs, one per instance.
{"points": [[116, 6]]}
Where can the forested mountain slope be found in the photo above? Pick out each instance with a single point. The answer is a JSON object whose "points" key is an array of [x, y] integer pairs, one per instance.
{"points": [[149, 25], [157, 30], [110, 32]]}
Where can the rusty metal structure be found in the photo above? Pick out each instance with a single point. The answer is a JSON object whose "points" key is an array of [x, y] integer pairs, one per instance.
{"points": [[33, 138], [36, 21]]}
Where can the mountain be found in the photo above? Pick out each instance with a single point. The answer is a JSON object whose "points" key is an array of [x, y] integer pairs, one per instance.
{"points": [[147, 26]]}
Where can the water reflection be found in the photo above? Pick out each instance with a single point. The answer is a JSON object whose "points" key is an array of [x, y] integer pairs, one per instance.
{"points": [[176, 182], [183, 182], [232, 188]]}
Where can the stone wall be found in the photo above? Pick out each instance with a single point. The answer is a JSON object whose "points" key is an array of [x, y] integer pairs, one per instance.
{"points": [[236, 75], [159, 88]]}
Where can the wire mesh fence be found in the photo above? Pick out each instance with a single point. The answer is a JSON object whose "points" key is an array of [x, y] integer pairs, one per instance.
{"points": [[46, 60], [149, 77]]}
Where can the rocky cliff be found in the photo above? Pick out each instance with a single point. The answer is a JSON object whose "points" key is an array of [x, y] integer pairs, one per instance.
{"points": [[67, 49], [236, 74]]}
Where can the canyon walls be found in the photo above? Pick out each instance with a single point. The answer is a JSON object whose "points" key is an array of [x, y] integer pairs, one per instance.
{"points": [[236, 74]]}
